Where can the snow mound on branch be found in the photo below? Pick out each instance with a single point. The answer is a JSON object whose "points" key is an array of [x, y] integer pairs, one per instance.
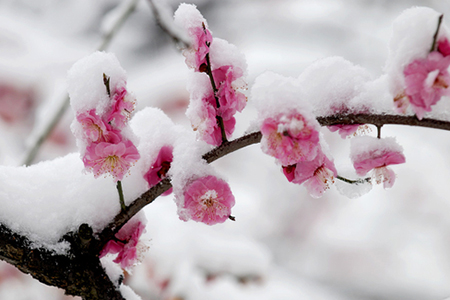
{"points": [[46, 200], [330, 84], [274, 94]]}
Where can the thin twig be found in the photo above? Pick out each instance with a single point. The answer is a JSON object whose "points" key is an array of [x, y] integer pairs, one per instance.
{"points": [[220, 122], [177, 36], [106, 40], [121, 198], [433, 45], [379, 131], [357, 181]]}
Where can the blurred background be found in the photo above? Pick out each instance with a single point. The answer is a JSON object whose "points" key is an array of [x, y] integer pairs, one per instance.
{"points": [[387, 244]]}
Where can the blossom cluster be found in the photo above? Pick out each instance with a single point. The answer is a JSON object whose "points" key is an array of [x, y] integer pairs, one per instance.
{"points": [[102, 107], [426, 78], [374, 155], [218, 77], [108, 150], [293, 139]]}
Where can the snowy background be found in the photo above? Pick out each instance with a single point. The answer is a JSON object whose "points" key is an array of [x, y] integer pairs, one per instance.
{"points": [[387, 244]]}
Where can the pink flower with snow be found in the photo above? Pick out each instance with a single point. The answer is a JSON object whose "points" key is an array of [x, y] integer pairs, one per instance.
{"points": [[97, 130], [208, 200], [115, 159], [317, 174], [160, 167], [125, 245], [369, 153], [204, 121], [121, 108], [427, 80], [196, 54], [230, 99], [344, 130], [290, 138]]}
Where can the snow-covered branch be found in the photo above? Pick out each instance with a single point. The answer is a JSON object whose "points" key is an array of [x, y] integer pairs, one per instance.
{"points": [[79, 273], [381, 120]]}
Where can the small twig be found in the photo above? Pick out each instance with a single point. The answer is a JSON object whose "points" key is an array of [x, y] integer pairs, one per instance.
{"points": [[121, 198], [106, 80], [106, 40], [433, 45], [379, 131], [357, 181], [215, 91], [177, 37]]}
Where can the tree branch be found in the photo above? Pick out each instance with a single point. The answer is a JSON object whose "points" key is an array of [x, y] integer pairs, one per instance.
{"points": [[254, 138], [382, 119], [80, 273]]}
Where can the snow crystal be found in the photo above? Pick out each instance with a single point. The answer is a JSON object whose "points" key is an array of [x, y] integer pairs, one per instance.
{"points": [[411, 39], [85, 81]]}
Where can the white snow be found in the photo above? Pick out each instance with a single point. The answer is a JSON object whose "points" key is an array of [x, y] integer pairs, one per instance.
{"points": [[85, 81], [188, 16]]}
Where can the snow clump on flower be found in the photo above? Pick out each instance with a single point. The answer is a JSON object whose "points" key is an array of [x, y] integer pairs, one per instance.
{"points": [[102, 106], [209, 200], [370, 154], [417, 66]]}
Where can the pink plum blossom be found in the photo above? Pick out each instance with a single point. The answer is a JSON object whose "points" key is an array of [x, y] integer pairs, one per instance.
{"points": [[290, 138], [208, 200], [427, 80], [125, 245], [204, 121], [369, 153], [230, 99], [115, 159], [196, 54], [121, 108], [344, 130], [96, 129], [317, 174], [160, 167]]}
